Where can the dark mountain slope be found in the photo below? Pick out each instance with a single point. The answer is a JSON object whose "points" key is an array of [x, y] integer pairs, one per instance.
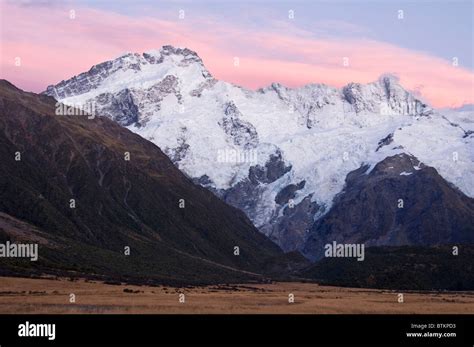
{"points": [[400, 202], [118, 202]]}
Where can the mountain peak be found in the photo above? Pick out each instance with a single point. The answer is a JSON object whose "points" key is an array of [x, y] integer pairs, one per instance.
{"points": [[389, 78], [131, 69], [385, 92], [168, 49], [178, 54]]}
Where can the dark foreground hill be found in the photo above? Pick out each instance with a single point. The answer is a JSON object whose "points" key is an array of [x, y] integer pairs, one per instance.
{"points": [[49, 159], [405, 268]]}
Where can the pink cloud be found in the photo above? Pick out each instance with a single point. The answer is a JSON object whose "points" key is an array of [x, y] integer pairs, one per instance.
{"points": [[53, 47]]}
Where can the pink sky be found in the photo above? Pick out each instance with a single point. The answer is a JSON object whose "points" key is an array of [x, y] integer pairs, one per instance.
{"points": [[53, 47]]}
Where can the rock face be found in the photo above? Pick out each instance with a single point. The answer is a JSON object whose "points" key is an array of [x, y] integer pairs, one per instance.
{"points": [[290, 228], [254, 148], [177, 232], [119, 107], [242, 133], [399, 202]]}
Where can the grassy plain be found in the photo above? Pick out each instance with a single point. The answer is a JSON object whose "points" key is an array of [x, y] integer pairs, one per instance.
{"points": [[37, 296]]}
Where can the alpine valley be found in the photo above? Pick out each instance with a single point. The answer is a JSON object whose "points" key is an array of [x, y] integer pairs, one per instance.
{"points": [[368, 163]]}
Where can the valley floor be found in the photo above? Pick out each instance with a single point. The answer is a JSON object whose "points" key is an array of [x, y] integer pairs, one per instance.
{"points": [[36, 296]]}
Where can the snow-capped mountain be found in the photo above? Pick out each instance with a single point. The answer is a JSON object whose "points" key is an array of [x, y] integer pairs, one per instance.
{"points": [[280, 154]]}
